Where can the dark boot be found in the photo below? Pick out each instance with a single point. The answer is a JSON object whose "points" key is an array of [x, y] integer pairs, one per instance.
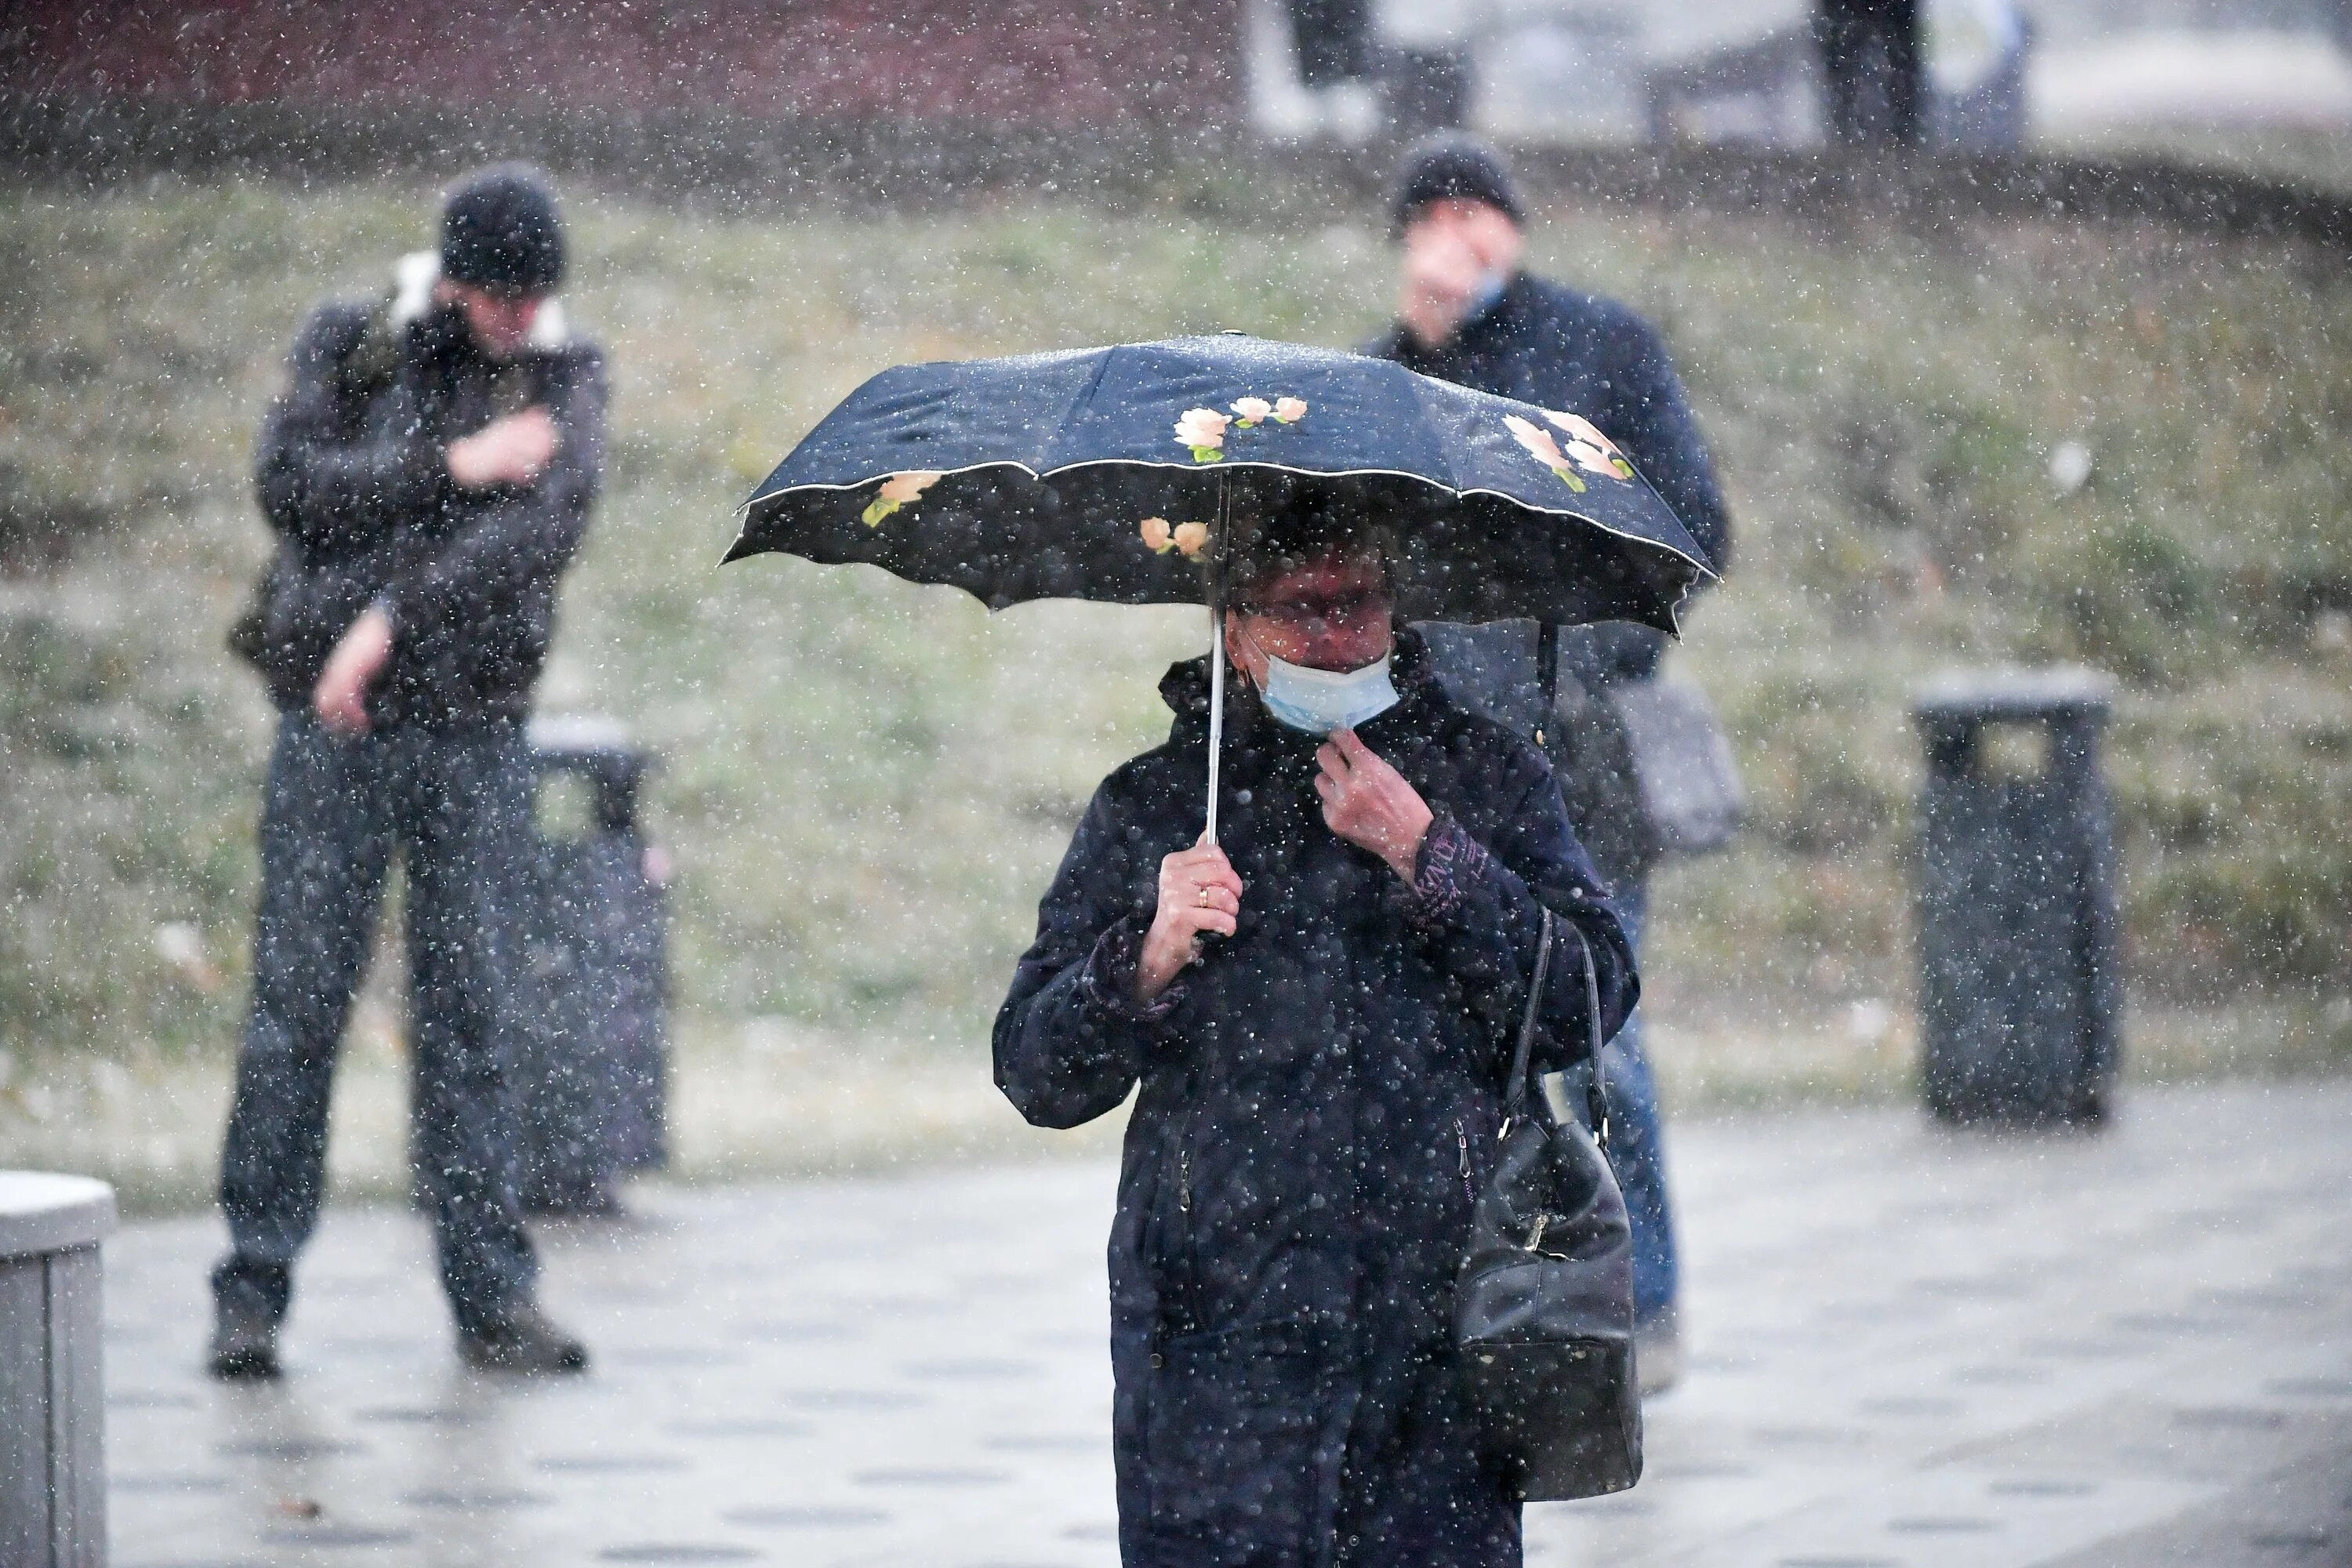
{"points": [[244, 1344], [524, 1342]]}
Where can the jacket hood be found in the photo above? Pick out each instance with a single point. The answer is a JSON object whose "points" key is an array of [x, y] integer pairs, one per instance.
{"points": [[411, 296]]}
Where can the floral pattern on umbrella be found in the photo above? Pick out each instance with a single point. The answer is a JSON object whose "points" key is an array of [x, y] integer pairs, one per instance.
{"points": [[1203, 430], [1540, 446], [1160, 536], [1589, 448], [896, 492]]}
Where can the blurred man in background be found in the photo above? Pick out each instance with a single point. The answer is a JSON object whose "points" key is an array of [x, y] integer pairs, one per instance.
{"points": [[428, 471], [1467, 313], [1874, 74]]}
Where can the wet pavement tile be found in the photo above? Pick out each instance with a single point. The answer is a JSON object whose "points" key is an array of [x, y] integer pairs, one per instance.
{"points": [[1903, 1346]]}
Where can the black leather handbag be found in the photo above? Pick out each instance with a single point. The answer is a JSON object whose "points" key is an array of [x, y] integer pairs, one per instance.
{"points": [[1543, 1313]]}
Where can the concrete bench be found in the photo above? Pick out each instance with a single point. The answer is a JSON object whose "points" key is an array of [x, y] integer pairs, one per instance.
{"points": [[52, 1390]]}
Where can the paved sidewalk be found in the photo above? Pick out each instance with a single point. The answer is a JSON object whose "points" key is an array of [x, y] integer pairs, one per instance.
{"points": [[1908, 1348]]}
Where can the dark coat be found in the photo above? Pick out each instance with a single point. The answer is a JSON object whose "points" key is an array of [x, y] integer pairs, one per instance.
{"points": [[1558, 348], [352, 476], [1319, 1100]]}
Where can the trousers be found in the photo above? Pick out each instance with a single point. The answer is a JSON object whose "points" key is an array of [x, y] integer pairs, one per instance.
{"points": [[454, 805], [1639, 1137]]}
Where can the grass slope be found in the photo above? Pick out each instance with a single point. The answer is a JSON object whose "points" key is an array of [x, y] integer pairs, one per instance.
{"points": [[867, 783]]}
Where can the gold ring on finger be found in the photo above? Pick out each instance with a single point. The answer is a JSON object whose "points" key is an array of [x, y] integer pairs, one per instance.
{"points": [[1204, 898]]}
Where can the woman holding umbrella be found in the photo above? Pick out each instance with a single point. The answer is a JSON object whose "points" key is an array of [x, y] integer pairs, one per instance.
{"points": [[1319, 1009], [1322, 967]]}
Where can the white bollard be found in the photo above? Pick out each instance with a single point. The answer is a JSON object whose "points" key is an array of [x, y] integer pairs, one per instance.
{"points": [[52, 1388]]}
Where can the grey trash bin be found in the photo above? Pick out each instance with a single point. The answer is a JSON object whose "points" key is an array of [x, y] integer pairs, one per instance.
{"points": [[52, 1387], [599, 958], [2019, 1002], [591, 1008]]}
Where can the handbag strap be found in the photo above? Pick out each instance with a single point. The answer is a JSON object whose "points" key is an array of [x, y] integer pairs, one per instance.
{"points": [[1515, 1096], [1596, 1098]]}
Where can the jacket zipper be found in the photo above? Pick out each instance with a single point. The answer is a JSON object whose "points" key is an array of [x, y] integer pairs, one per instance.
{"points": [[1462, 1146], [1181, 1311]]}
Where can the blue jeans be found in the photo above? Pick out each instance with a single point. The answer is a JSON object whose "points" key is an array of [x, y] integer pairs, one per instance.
{"points": [[1640, 1148], [456, 804]]}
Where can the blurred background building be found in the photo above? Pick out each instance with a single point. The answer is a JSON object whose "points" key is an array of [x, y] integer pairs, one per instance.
{"points": [[1996, 71], [1749, 70], [996, 60]]}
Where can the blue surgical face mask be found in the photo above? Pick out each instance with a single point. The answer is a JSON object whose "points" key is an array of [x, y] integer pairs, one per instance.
{"points": [[1321, 700]]}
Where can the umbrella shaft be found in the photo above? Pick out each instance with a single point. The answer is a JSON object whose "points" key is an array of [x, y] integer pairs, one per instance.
{"points": [[1221, 546], [1216, 706]]}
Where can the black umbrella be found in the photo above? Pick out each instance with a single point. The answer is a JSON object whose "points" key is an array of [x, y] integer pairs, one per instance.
{"points": [[1117, 474]]}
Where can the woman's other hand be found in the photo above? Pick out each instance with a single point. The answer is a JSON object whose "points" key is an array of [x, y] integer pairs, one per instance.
{"points": [[1199, 895], [1368, 803]]}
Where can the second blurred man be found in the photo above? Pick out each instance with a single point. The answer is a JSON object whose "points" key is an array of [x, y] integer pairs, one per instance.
{"points": [[1469, 313]]}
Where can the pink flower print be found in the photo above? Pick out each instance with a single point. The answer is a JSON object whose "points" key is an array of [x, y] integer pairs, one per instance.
{"points": [[1290, 410], [904, 488], [1203, 430], [1536, 439], [1185, 538], [1590, 460], [1580, 428], [1252, 411], [1543, 448], [896, 492], [1606, 458]]}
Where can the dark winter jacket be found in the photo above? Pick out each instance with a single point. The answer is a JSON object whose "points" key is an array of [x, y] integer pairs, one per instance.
{"points": [[351, 474], [1318, 1099], [1557, 348]]}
